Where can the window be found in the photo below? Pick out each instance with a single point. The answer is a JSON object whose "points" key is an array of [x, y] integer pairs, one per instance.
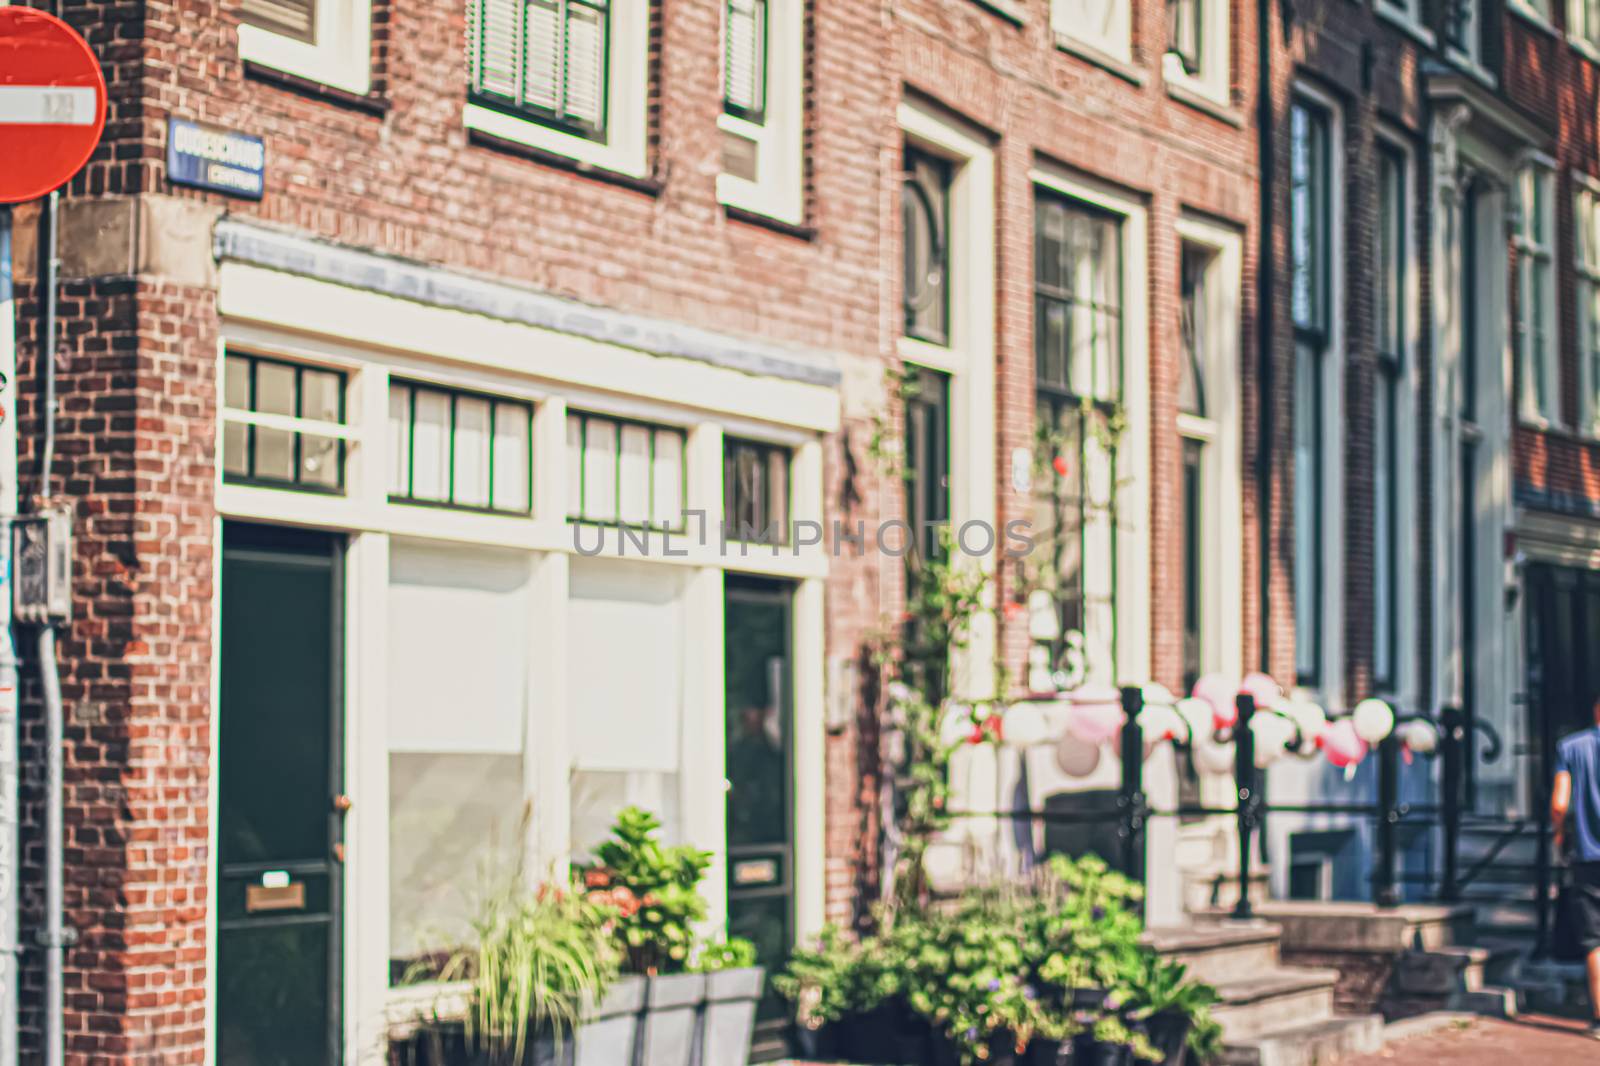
{"points": [[459, 449], [1197, 47], [1078, 390], [1538, 8], [565, 76], [925, 212], [1463, 30], [545, 59], [327, 41], [283, 424], [1536, 294], [1310, 233], [927, 471], [755, 491], [457, 780], [1390, 421], [624, 473], [1408, 11], [1586, 213], [1583, 22], [1103, 25], [762, 121], [1197, 429]]}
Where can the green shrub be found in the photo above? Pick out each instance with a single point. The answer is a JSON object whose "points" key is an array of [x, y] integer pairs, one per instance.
{"points": [[652, 890]]}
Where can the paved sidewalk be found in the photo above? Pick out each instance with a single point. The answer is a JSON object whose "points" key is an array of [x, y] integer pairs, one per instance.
{"points": [[1538, 1039]]}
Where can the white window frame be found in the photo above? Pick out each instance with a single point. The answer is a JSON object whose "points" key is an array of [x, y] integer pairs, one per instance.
{"points": [[369, 336], [1583, 31], [1540, 317], [969, 357], [1133, 544], [1541, 13], [1329, 686], [625, 147], [1586, 272], [779, 189], [1403, 686], [1213, 81], [1067, 23], [1407, 15], [340, 57]]}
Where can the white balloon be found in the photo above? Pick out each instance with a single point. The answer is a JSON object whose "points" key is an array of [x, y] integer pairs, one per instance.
{"points": [[1023, 725], [1373, 719], [1160, 722], [1273, 734], [956, 725], [1043, 622], [1076, 758], [1212, 758], [1420, 737], [1157, 694], [1198, 713], [1311, 719]]}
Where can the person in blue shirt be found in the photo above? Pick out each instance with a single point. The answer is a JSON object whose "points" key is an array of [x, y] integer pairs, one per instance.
{"points": [[1577, 791]]}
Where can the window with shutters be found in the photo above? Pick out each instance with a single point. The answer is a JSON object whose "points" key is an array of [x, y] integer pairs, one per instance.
{"points": [[565, 76], [327, 41], [543, 58], [1103, 25], [762, 120]]}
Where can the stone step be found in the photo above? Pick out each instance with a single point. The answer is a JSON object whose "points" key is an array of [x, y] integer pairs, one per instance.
{"points": [[1216, 952], [1217, 891], [1318, 1043], [1453, 969], [1252, 1007]]}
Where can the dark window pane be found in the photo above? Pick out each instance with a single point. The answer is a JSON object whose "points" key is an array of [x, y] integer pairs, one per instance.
{"points": [[925, 210]]}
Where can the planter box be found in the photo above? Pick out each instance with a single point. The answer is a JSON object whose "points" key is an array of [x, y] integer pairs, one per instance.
{"points": [[610, 1035], [671, 1020], [728, 1019]]}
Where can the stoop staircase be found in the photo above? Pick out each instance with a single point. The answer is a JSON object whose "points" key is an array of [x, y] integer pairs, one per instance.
{"points": [[1271, 1014]]}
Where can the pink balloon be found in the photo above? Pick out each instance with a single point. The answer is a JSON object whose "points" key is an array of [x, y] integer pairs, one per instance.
{"points": [[1218, 691], [1342, 745], [1261, 688], [1095, 723]]}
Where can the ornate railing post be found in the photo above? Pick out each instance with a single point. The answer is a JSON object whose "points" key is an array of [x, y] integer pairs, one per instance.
{"points": [[1384, 888], [1245, 777], [1452, 738], [1131, 805]]}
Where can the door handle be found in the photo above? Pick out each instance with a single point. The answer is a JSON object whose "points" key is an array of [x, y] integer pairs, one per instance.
{"points": [[342, 803]]}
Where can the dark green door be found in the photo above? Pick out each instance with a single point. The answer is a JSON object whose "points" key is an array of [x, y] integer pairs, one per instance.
{"points": [[279, 832], [760, 794]]}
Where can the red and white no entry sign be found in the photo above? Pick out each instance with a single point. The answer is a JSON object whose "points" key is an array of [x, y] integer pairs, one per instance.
{"points": [[52, 103]]}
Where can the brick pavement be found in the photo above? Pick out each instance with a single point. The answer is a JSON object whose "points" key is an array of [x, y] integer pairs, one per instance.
{"points": [[1530, 1039]]}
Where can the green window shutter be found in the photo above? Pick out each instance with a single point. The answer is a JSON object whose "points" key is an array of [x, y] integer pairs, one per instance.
{"points": [[497, 47], [744, 61], [541, 68], [585, 80]]}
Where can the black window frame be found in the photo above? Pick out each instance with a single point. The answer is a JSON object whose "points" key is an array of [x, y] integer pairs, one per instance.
{"points": [[296, 484], [926, 402], [763, 451], [455, 394]]}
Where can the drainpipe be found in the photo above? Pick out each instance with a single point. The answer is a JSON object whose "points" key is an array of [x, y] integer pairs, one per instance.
{"points": [[1265, 268], [54, 936], [10, 737]]}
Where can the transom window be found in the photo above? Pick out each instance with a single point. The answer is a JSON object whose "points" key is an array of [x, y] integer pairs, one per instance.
{"points": [[546, 59], [459, 449], [755, 491], [283, 424], [623, 472], [1536, 293], [1587, 251], [925, 210]]}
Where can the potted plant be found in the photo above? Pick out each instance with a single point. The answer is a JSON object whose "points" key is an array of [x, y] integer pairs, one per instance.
{"points": [[542, 961], [734, 984], [652, 893], [1173, 1009]]}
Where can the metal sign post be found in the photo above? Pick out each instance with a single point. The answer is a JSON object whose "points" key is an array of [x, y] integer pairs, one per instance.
{"points": [[10, 850]]}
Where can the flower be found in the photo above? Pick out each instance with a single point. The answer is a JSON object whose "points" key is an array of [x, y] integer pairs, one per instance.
{"points": [[1060, 465], [994, 985]]}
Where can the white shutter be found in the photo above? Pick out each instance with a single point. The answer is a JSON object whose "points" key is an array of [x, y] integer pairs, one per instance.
{"points": [[496, 45], [541, 72], [586, 63], [744, 59]]}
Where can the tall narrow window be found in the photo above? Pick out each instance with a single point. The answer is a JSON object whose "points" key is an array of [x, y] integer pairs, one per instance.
{"points": [[1185, 28], [1583, 21], [546, 59], [1390, 285], [1078, 392], [755, 491], [1196, 429], [927, 472], [1587, 214], [1536, 294], [925, 211], [744, 60], [1310, 295]]}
